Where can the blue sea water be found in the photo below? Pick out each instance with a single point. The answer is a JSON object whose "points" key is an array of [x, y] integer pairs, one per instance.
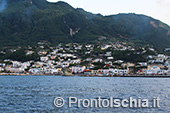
{"points": [[35, 94]]}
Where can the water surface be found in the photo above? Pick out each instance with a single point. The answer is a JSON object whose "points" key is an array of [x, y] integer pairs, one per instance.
{"points": [[19, 94]]}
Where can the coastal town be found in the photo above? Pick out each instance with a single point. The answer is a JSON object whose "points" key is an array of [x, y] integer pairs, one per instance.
{"points": [[109, 59]]}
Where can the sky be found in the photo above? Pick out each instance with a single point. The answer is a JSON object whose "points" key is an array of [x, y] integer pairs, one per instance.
{"points": [[158, 9]]}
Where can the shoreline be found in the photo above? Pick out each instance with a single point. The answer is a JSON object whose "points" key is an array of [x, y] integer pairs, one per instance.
{"points": [[126, 76]]}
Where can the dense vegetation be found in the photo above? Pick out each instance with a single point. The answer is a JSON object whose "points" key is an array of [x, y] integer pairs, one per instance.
{"points": [[25, 22], [19, 55]]}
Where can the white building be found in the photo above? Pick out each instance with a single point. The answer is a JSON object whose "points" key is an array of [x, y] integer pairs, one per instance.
{"points": [[167, 63], [161, 56], [119, 71], [108, 54], [110, 58], [1, 69], [2, 64], [119, 61], [109, 62], [168, 72], [67, 55], [34, 70], [65, 64], [98, 60], [29, 52], [16, 64], [44, 59], [15, 70], [112, 72], [142, 63], [160, 60], [25, 65], [153, 70], [75, 61], [89, 59], [78, 69]]}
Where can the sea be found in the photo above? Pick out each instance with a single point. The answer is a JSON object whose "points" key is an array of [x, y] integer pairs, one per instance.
{"points": [[36, 94]]}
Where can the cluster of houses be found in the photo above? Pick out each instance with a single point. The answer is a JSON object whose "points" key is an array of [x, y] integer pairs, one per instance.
{"points": [[68, 56]]}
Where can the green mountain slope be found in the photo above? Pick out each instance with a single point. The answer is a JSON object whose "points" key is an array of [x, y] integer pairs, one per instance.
{"points": [[24, 22]]}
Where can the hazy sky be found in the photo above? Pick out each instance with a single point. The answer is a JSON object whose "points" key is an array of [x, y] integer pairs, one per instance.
{"points": [[158, 9]]}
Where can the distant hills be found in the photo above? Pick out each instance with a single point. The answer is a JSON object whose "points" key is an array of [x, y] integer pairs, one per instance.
{"points": [[25, 22]]}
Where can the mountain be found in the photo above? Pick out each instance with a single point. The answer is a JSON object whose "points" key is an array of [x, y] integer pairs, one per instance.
{"points": [[25, 22]]}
